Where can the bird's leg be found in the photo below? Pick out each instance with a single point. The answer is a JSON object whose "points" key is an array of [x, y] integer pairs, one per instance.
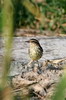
{"points": [[35, 66], [30, 62], [39, 68], [37, 63], [31, 65]]}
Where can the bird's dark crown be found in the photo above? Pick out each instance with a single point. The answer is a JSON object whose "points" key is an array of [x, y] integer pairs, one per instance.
{"points": [[34, 41]]}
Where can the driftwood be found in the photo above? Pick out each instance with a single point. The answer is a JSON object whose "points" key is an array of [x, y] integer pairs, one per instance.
{"points": [[31, 32], [40, 85], [35, 32]]}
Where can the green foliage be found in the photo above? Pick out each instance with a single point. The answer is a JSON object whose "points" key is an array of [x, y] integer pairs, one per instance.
{"points": [[61, 88], [0, 20], [22, 17], [7, 33], [54, 12], [6, 26]]}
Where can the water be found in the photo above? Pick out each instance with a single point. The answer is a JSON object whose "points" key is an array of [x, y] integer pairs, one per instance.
{"points": [[53, 47]]}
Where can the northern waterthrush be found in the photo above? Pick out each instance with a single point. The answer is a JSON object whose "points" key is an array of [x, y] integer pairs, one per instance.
{"points": [[35, 50]]}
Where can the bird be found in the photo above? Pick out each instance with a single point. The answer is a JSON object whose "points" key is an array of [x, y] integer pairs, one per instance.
{"points": [[35, 50]]}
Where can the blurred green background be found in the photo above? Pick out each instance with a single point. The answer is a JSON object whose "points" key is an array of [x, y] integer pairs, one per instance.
{"points": [[54, 12]]}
